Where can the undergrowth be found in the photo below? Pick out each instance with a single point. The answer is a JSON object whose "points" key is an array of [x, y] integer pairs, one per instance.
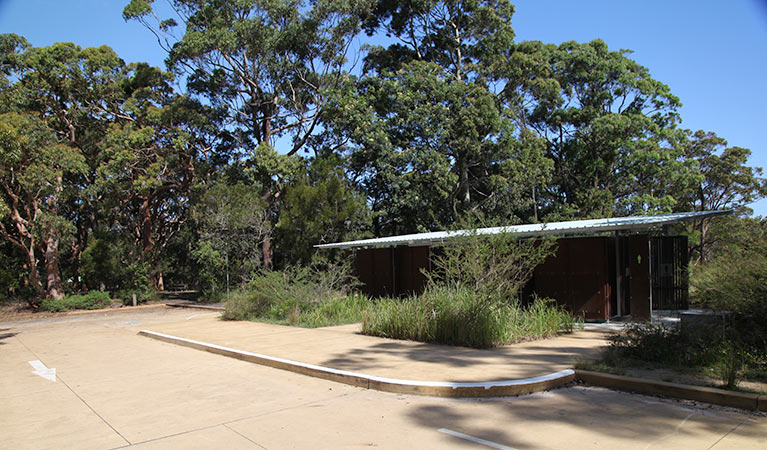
{"points": [[705, 351], [298, 296], [91, 300]]}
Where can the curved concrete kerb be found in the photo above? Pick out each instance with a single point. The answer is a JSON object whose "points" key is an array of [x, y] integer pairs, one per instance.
{"points": [[432, 388]]}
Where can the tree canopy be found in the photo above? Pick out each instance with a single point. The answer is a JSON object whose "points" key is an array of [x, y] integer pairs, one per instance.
{"points": [[277, 125]]}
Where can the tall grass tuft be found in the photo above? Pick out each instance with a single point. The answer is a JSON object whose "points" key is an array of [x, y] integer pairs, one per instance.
{"points": [[457, 315]]}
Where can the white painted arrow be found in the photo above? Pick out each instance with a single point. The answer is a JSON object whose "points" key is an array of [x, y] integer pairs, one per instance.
{"points": [[41, 370]]}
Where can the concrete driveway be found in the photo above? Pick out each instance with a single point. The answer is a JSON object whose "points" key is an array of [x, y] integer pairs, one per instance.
{"points": [[115, 389]]}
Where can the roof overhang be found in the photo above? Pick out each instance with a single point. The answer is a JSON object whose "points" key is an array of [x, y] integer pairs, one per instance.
{"points": [[581, 227]]}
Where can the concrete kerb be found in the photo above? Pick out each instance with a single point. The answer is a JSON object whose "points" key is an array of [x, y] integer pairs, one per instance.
{"points": [[721, 397], [195, 306], [393, 385]]}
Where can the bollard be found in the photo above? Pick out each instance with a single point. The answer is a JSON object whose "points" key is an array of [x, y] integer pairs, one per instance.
{"points": [[134, 299]]}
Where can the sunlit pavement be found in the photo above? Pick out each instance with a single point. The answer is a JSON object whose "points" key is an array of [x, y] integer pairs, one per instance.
{"points": [[114, 389]]}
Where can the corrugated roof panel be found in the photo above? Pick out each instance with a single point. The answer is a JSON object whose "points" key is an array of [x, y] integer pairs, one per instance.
{"points": [[591, 226]]}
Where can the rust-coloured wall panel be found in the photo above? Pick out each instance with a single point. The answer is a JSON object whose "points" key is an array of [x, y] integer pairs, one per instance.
{"points": [[374, 270], [639, 266], [410, 261], [380, 278], [576, 276]]}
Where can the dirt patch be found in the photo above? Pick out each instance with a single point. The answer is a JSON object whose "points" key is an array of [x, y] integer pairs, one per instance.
{"points": [[673, 376], [17, 311]]}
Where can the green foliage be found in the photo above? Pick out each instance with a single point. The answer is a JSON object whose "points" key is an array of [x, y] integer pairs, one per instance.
{"points": [[495, 266], [607, 124], [211, 265], [457, 315], [232, 222], [109, 262], [299, 296], [91, 300], [10, 273], [265, 65], [735, 280], [335, 311], [720, 349], [320, 207]]}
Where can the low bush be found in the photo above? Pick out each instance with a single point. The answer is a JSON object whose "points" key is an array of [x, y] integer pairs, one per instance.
{"points": [[91, 300], [457, 315], [298, 296], [715, 350], [143, 295]]}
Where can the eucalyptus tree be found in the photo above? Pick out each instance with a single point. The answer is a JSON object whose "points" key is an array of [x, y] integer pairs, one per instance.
{"points": [[137, 144], [269, 64], [608, 127], [725, 181], [319, 206], [42, 130], [149, 159], [33, 163], [428, 137]]}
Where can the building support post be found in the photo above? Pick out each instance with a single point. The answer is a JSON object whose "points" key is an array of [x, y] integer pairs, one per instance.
{"points": [[618, 275]]}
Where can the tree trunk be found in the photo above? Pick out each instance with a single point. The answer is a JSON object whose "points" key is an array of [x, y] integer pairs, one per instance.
{"points": [[34, 275], [703, 230], [146, 228], [464, 196], [159, 283], [266, 248], [55, 286]]}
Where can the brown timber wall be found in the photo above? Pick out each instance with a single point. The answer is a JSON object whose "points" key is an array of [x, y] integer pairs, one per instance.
{"points": [[577, 277], [392, 271]]}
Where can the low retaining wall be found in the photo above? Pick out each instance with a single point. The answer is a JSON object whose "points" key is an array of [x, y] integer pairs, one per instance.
{"points": [[714, 396]]}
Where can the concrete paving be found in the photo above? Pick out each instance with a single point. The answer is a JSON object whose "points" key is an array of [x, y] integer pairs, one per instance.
{"points": [[115, 389], [344, 348]]}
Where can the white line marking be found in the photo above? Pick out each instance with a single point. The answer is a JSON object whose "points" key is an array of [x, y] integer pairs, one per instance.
{"points": [[203, 314], [41, 370], [475, 440], [483, 384]]}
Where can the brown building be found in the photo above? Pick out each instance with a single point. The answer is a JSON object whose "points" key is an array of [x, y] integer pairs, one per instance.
{"points": [[602, 269]]}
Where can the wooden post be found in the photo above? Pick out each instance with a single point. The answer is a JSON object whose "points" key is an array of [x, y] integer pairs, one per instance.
{"points": [[134, 299]]}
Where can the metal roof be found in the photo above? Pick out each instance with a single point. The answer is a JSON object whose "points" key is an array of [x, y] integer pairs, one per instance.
{"points": [[591, 226]]}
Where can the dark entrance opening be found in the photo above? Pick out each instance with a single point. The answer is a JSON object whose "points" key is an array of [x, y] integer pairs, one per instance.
{"points": [[669, 272]]}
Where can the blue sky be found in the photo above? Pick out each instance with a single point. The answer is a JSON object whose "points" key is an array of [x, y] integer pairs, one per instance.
{"points": [[712, 54]]}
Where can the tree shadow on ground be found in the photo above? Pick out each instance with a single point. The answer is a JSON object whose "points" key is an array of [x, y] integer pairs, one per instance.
{"points": [[4, 335], [579, 417], [541, 360]]}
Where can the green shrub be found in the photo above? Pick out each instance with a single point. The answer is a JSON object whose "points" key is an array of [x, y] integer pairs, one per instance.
{"points": [[143, 295], [91, 300], [298, 296], [496, 266], [714, 348], [734, 279]]}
